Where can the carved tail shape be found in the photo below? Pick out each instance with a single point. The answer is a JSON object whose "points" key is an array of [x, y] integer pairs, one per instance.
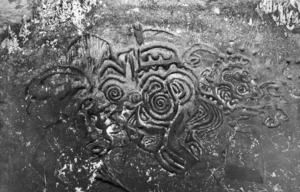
{"points": [[207, 118]]}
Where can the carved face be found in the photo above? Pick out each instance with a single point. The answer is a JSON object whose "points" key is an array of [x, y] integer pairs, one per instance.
{"points": [[147, 96], [164, 94], [148, 105], [229, 84], [234, 86], [148, 102]]}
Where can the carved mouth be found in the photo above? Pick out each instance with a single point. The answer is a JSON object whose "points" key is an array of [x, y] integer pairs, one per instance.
{"points": [[295, 93], [210, 98], [105, 134], [114, 128], [232, 104], [114, 124]]}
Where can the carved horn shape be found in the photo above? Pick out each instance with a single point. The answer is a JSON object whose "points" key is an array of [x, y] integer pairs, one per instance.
{"points": [[58, 84], [88, 53]]}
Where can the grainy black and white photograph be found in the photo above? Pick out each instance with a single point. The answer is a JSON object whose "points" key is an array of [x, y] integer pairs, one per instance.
{"points": [[149, 95]]}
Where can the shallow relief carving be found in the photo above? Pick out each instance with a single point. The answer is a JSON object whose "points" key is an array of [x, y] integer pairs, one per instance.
{"points": [[150, 95], [231, 83]]}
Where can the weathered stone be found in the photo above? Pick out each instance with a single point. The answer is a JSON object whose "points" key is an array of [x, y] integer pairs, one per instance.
{"points": [[151, 96]]}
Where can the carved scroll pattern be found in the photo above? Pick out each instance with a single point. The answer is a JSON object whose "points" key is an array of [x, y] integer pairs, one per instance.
{"points": [[149, 95], [231, 84]]}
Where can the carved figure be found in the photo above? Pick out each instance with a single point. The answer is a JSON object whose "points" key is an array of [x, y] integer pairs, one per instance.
{"points": [[148, 95]]}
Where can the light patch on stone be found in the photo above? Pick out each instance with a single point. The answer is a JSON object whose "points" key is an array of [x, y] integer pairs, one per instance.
{"points": [[254, 143], [78, 189], [53, 14], [12, 11], [61, 172], [111, 129], [71, 165], [216, 10], [294, 96], [24, 31], [150, 179], [72, 129], [92, 178], [28, 144], [94, 167], [215, 154], [136, 10], [281, 12], [170, 174], [107, 122], [273, 174], [250, 22], [11, 42], [277, 188]]}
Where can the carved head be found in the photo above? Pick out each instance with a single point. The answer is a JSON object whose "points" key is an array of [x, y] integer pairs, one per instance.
{"points": [[229, 82], [149, 93]]}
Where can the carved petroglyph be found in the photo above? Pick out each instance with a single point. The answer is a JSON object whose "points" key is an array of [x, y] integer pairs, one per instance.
{"points": [[149, 95], [231, 84], [200, 55]]}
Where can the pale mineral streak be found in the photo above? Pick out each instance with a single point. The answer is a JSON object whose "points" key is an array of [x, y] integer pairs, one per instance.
{"points": [[281, 12]]}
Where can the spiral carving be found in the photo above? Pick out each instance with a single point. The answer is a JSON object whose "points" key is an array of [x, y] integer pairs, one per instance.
{"points": [[114, 93], [113, 88], [148, 95], [242, 89], [163, 92], [160, 103], [159, 106], [135, 98]]}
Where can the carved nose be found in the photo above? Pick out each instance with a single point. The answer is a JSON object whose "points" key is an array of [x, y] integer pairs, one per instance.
{"points": [[122, 114], [123, 111], [119, 117], [135, 98]]}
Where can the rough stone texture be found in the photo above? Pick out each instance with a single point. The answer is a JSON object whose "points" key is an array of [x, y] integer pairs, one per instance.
{"points": [[77, 83], [13, 11]]}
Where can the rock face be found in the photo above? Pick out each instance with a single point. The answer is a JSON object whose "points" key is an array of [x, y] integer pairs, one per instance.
{"points": [[12, 11], [151, 96]]}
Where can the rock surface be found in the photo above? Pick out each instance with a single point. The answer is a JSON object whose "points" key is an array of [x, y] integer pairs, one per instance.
{"points": [[150, 96], [13, 11]]}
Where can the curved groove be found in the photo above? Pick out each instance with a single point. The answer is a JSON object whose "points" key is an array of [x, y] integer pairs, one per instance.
{"points": [[108, 64], [207, 118], [65, 70]]}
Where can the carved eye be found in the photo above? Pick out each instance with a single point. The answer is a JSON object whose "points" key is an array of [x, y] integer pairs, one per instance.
{"points": [[135, 98], [227, 77], [114, 93], [86, 104], [237, 76], [160, 103], [242, 89]]}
